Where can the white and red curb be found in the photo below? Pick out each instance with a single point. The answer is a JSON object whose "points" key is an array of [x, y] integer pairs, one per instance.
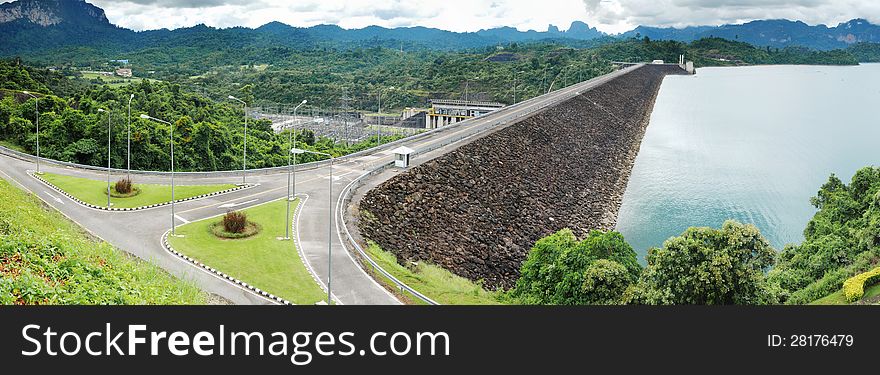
{"points": [[250, 288], [115, 209]]}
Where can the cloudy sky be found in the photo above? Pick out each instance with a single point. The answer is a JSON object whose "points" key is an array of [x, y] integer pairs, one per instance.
{"points": [[611, 16]]}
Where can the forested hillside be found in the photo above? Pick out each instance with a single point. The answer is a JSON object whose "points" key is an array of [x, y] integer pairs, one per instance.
{"points": [[208, 134]]}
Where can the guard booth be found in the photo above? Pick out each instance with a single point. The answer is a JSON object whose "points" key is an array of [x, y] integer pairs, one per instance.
{"points": [[401, 156]]}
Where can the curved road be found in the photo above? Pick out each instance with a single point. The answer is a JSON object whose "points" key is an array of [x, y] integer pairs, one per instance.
{"points": [[140, 232]]}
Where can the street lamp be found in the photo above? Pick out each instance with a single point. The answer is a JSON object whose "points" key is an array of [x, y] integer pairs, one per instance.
{"points": [[128, 163], [514, 84], [244, 158], [37, 105], [466, 84], [291, 139], [297, 151], [108, 155], [146, 117], [378, 128]]}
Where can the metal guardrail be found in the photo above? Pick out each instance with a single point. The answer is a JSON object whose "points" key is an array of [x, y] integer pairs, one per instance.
{"points": [[343, 201], [571, 92], [345, 196]]}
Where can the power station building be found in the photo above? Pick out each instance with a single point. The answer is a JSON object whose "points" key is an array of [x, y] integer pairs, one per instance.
{"points": [[444, 111]]}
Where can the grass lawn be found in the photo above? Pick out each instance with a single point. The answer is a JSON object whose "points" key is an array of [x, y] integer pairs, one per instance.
{"points": [[837, 298], [435, 282], [260, 260], [113, 81], [93, 191], [47, 259]]}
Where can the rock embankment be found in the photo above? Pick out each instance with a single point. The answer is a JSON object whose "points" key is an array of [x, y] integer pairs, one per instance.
{"points": [[477, 210]]}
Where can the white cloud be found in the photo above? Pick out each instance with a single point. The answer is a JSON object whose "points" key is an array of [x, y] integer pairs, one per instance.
{"points": [[455, 15], [611, 16], [625, 14]]}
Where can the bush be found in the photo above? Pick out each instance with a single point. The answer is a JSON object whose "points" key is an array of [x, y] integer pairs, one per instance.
{"points": [[854, 287], [235, 222], [706, 266], [560, 270], [124, 186]]}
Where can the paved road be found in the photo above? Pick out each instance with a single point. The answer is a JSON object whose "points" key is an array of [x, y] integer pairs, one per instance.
{"points": [[140, 232]]}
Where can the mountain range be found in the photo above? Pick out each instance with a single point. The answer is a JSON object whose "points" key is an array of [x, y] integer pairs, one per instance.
{"points": [[38, 26]]}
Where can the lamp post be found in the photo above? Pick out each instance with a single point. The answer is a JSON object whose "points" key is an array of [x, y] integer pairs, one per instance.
{"points": [[378, 128], [37, 105], [291, 139], [146, 117], [108, 155], [297, 151], [466, 84], [514, 84], [565, 75], [128, 159], [244, 157]]}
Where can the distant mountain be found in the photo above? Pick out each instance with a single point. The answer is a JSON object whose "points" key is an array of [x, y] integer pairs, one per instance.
{"points": [[45, 27], [53, 12], [773, 33], [35, 25], [32, 26]]}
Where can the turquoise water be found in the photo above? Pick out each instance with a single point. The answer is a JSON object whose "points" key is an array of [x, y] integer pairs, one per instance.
{"points": [[751, 144]]}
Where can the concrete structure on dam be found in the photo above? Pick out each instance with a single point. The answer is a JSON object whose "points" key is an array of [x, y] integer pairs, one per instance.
{"points": [[478, 209]]}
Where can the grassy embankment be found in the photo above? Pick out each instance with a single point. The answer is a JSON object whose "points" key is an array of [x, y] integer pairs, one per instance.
{"points": [[435, 282], [837, 298], [94, 191], [260, 260], [46, 259]]}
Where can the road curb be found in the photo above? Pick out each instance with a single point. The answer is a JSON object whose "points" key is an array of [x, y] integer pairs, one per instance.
{"points": [[299, 249], [241, 284], [128, 209]]}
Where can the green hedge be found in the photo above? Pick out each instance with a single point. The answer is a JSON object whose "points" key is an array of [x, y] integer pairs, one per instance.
{"points": [[854, 287]]}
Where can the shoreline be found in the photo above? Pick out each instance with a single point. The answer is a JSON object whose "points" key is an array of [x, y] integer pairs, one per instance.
{"points": [[477, 211]]}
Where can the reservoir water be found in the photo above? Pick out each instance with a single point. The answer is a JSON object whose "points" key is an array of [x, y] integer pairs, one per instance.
{"points": [[751, 144]]}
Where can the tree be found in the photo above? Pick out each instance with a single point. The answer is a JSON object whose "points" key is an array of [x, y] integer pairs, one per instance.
{"points": [[706, 266], [560, 270], [841, 240]]}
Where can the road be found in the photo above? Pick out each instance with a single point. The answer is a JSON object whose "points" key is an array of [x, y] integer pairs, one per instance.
{"points": [[140, 232]]}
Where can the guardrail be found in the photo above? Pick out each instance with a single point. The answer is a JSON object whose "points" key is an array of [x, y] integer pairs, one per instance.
{"points": [[568, 93], [344, 200], [345, 197]]}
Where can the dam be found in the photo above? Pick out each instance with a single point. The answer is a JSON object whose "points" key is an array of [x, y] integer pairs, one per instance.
{"points": [[478, 209]]}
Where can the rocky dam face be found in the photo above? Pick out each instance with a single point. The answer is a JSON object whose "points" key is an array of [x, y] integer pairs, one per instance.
{"points": [[477, 211]]}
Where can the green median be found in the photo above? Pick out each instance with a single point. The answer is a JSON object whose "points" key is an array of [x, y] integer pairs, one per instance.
{"points": [[95, 191], [260, 260], [436, 283]]}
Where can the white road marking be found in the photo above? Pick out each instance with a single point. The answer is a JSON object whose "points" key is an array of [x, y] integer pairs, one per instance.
{"points": [[54, 197], [185, 221], [230, 205]]}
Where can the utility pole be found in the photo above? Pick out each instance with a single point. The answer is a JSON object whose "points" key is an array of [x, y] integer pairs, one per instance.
{"points": [[37, 105], [108, 155], [128, 166], [244, 157], [171, 126]]}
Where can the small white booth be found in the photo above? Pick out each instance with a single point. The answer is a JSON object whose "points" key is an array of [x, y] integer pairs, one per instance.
{"points": [[401, 156]]}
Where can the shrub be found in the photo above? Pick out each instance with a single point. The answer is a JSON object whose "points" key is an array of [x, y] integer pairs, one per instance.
{"points": [[706, 266], [854, 287], [560, 270], [235, 222], [124, 185]]}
